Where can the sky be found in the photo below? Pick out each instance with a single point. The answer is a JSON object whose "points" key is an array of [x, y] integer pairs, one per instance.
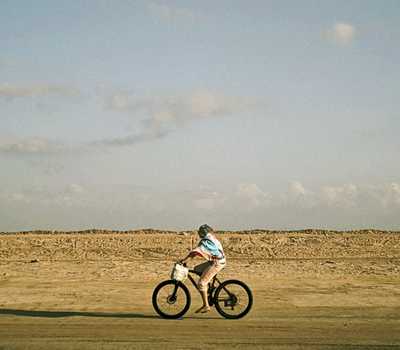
{"points": [[170, 114]]}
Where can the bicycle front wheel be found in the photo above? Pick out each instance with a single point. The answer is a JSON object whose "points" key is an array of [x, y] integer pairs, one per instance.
{"points": [[233, 299], [171, 299]]}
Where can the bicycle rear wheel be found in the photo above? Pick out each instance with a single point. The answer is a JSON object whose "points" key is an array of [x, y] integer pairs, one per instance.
{"points": [[171, 299], [233, 299]]}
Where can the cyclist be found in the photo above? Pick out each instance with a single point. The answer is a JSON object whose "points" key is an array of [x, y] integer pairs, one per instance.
{"points": [[210, 248]]}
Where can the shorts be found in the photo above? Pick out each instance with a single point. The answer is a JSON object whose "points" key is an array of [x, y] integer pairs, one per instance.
{"points": [[208, 270]]}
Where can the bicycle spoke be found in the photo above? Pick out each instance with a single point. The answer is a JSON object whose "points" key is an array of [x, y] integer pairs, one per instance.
{"points": [[171, 298]]}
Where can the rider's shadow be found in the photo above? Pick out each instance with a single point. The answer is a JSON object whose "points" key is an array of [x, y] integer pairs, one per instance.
{"points": [[57, 314]]}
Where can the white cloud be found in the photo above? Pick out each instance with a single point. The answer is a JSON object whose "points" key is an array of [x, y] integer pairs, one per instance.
{"points": [[339, 206], [209, 201], [296, 188], [118, 101], [395, 191], [342, 196], [171, 13], [164, 114], [203, 104], [342, 33], [198, 104], [19, 197], [143, 136], [7, 63], [74, 189], [47, 165], [252, 195], [298, 195], [158, 116], [33, 145], [72, 194], [387, 194], [12, 91]]}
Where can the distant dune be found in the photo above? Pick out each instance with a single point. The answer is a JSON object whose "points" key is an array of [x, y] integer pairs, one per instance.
{"points": [[156, 244], [157, 231]]}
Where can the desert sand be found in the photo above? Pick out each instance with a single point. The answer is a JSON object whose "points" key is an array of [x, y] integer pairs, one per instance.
{"points": [[92, 290]]}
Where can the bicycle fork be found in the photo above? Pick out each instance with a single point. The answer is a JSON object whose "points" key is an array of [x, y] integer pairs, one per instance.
{"points": [[172, 298]]}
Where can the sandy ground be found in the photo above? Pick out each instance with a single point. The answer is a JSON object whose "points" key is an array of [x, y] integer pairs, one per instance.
{"points": [[300, 303]]}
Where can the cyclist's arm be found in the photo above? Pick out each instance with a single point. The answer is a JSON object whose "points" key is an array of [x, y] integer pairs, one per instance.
{"points": [[191, 255]]}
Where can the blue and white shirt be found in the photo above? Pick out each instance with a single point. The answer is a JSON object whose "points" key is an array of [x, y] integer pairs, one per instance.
{"points": [[211, 248]]}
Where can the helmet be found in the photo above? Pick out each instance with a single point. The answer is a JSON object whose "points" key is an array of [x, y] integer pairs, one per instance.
{"points": [[203, 230]]}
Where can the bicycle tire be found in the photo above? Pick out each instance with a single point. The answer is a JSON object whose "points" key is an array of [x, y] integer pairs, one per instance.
{"points": [[224, 286], [178, 285]]}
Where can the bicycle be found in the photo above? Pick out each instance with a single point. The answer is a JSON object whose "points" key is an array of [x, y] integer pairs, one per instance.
{"points": [[171, 299]]}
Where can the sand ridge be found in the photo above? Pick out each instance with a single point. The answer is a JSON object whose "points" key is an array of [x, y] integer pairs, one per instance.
{"points": [[258, 244]]}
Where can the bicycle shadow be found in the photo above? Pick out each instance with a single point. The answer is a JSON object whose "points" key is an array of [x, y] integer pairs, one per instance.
{"points": [[56, 314]]}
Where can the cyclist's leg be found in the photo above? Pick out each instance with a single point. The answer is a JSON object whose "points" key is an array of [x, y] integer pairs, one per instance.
{"points": [[204, 280], [209, 273]]}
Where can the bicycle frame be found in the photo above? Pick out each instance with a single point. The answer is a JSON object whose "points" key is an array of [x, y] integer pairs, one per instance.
{"points": [[212, 285]]}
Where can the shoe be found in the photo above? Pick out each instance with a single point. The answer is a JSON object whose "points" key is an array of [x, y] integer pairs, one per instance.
{"points": [[203, 310]]}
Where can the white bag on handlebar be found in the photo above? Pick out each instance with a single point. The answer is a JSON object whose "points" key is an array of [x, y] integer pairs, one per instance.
{"points": [[179, 272]]}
